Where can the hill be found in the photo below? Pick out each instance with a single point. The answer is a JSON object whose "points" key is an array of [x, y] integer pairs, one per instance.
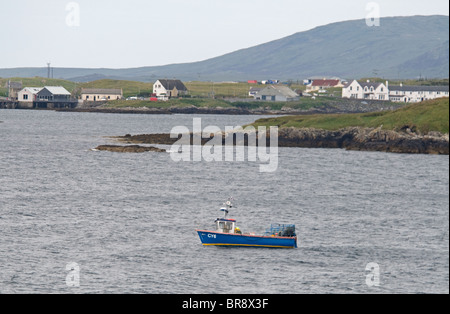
{"points": [[402, 47], [425, 117]]}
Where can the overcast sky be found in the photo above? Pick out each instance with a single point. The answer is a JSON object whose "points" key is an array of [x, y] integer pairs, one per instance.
{"points": [[135, 33]]}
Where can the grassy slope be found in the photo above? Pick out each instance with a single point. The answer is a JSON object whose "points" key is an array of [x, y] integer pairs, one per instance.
{"points": [[427, 116], [239, 90], [130, 88], [196, 89]]}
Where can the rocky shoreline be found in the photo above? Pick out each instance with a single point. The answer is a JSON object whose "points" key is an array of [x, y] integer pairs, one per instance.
{"points": [[331, 107], [355, 138], [129, 149], [367, 139]]}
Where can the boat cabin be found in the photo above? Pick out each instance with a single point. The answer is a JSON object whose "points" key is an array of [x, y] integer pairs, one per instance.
{"points": [[225, 225]]}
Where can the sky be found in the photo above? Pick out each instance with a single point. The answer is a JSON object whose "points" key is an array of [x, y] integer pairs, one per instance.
{"points": [[136, 33]]}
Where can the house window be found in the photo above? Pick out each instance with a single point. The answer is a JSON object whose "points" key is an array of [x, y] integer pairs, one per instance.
{"points": [[87, 97], [25, 97]]}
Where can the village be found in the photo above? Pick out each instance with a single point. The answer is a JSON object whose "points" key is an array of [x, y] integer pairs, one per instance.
{"points": [[56, 97]]}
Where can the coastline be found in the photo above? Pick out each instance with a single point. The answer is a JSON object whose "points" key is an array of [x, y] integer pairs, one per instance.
{"points": [[335, 106], [353, 138]]}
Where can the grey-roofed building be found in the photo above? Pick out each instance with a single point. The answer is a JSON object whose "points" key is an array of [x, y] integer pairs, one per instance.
{"points": [[54, 97], [53, 93], [277, 93], [13, 89], [414, 94], [254, 90]]}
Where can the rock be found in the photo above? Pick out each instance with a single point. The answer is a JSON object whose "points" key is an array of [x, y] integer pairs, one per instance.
{"points": [[129, 149]]}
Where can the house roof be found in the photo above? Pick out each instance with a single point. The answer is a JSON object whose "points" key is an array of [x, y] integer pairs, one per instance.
{"points": [[171, 84], [101, 91], [375, 85], [348, 84], [370, 84], [33, 90], [277, 90], [419, 88], [57, 90], [326, 83]]}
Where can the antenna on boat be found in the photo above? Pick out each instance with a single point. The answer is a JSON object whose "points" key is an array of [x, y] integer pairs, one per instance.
{"points": [[227, 206]]}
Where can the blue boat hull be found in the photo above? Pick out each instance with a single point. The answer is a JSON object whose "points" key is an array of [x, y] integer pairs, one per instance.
{"points": [[210, 238]]}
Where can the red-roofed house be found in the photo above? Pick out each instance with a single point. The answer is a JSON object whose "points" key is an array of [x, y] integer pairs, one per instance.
{"points": [[317, 85]]}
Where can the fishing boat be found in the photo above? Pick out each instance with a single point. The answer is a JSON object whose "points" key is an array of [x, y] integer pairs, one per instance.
{"points": [[228, 234]]}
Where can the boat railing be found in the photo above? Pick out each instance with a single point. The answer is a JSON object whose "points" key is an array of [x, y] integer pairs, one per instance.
{"points": [[281, 230]]}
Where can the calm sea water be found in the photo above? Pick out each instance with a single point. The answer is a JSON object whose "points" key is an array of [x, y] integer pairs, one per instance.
{"points": [[128, 220]]}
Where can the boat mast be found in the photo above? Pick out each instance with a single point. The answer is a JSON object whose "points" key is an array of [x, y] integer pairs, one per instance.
{"points": [[228, 205]]}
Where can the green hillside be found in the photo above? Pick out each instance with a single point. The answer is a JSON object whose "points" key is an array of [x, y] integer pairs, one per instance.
{"points": [[402, 47], [432, 115]]}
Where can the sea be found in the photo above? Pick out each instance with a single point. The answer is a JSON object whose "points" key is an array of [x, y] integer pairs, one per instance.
{"points": [[75, 220]]}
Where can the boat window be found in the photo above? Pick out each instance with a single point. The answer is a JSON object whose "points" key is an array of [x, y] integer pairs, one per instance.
{"points": [[228, 227]]}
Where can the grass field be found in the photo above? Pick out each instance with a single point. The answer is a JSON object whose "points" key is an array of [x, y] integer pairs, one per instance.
{"points": [[132, 88], [423, 117], [220, 90]]}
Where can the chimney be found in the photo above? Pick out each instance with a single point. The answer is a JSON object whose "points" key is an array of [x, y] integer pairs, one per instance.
{"points": [[387, 84]]}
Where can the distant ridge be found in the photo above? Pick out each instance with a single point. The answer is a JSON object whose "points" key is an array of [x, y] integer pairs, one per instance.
{"points": [[402, 47]]}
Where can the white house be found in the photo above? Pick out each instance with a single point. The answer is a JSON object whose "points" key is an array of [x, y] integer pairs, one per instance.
{"points": [[28, 94], [366, 90], [169, 88], [414, 94]]}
